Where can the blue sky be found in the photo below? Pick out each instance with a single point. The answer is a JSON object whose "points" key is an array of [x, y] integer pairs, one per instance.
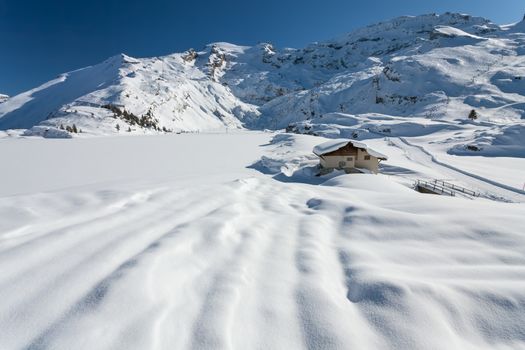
{"points": [[43, 38]]}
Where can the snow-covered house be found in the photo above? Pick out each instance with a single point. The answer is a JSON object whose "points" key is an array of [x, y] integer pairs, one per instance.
{"points": [[351, 156]]}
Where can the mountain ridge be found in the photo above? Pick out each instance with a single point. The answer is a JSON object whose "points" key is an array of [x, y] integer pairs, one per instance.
{"points": [[435, 67]]}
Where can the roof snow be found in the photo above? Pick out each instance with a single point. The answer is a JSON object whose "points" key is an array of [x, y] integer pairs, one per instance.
{"points": [[334, 145]]}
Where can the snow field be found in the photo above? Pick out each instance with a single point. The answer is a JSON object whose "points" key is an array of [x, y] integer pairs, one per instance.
{"points": [[231, 258]]}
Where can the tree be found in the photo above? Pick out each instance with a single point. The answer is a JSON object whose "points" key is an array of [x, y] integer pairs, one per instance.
{"points": [[473, 115], [117, 127], [74, 129]]}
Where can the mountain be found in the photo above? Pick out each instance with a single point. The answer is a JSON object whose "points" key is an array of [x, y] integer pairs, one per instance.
{"points": [[3, 98], [141, 94], [432, 68]]}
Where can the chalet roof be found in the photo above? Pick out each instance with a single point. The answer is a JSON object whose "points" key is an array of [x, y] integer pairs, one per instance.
{"points": [[334, 145]]}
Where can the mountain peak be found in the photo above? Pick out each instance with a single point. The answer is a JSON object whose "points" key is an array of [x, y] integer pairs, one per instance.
{"points": [[424, 65], [120, 59]]}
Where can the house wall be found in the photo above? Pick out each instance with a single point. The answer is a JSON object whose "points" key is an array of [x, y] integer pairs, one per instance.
{"points": [[334, 161], [371, 164], [358, 161]]}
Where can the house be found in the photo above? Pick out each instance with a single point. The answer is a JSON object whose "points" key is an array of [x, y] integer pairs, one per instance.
{"points": [[351, 156]]}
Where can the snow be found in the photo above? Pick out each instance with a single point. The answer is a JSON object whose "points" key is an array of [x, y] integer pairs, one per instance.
{"points": [[333, 145], [452, 32], [495, 142], [3, 98], [58, 164], [47, 132], [165, 232], [196, 233]]}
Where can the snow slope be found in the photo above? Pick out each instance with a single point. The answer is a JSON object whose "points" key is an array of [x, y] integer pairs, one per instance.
{"points": [[145, 247], [3, 98]]}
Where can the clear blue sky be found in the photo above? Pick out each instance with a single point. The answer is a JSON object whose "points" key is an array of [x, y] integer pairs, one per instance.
{"points": [[40, 39]]}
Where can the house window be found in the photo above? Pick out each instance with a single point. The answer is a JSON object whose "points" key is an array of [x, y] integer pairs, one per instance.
{"points": [[350, 159], [367, 157]]}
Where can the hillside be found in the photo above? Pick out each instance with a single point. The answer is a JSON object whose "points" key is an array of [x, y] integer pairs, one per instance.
{"points": [[3, 98]]}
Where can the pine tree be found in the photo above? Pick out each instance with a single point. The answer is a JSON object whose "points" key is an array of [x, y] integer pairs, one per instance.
{"points": [[473, 115], [75, 130], [117, 127]]}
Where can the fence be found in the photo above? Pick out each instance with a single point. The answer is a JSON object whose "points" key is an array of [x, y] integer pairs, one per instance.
{"points": [[457, 188], [444, 188], [434, 188]]}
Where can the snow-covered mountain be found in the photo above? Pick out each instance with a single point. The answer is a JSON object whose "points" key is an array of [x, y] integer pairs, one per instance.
{"points": [[432, 67], [3, 98], [154, 93]]}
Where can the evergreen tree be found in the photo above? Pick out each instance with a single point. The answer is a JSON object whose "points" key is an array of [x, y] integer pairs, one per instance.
{"points": [[117, 127], [473, 115], [74, 129]]}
